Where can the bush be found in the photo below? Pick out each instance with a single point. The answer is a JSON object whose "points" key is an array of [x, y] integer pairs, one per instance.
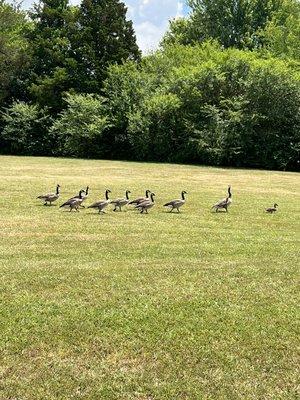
{"points": [[81, 127], [26, 130], [207, 105]]}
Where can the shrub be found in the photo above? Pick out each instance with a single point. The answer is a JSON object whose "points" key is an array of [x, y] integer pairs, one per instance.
{"points": [[26, 130]]}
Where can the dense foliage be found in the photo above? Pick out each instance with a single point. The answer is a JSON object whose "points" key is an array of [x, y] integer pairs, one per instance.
{"points": [[200, 104], [224, 89]]}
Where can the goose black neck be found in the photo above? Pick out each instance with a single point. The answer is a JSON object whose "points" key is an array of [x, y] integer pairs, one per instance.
{"points": [[106, 195], [127, 197], [182, 196], [152, 197], [80, 194], [147, 193], [229, 192], [87, 191], [57, 189]]}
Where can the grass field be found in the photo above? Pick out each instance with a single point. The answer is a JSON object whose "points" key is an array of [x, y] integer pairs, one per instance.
{"points": [[127, 306]]}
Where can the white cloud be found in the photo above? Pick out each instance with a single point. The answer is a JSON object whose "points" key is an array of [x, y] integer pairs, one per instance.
{"points": [[149, 35], [151, 18]]}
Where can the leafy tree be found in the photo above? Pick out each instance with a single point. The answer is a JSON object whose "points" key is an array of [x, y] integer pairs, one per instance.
{"points": [[51, 59], [13, 47], [26, 130], [104, 37], [234, 23], [206, 105], [181, 31], [81, 127], [282, 32]]}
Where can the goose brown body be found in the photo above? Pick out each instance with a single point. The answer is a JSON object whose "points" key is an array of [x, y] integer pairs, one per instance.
{"points": [[224, 203], [176, 204], [146, 205], [102, 204], [119, 203], [74, 202], [272, 210], [141, 199], [84, 196], [50, 197]]}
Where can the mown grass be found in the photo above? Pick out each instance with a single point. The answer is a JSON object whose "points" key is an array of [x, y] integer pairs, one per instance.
{"points": [[161, 306]]}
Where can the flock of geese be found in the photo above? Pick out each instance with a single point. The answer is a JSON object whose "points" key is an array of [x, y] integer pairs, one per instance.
{"points": [[143, 203]]}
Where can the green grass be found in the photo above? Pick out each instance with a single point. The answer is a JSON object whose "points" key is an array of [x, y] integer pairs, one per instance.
{"points": [[161, 306]]}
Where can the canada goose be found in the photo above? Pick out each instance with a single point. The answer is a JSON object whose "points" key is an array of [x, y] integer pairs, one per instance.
{"points": [[121, 202], [141, 199], [102, 203], [224, 203], [84, 196], [146, 205], [50, 197], [271, 210], [177, 203], [74, 202]]}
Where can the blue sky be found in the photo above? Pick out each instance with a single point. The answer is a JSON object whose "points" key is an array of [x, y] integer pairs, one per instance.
{"points": [[150, 18]]}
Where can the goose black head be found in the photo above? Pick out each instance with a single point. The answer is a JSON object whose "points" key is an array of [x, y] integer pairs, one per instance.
{"points": [[147, 192], [106, 193], [80, 193], [275, 205], [183, 193]]}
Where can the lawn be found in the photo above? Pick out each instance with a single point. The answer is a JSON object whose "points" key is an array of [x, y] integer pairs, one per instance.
{"points": [[196, 305]]}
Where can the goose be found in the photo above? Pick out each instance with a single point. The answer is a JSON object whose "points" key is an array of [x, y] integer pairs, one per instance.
{"points": [[74, 202], [177, 203], [84, 196], [50, 197], [271, 210], [146, 205], [141, 199], [102, 203], [121, 202], [224, 203]]}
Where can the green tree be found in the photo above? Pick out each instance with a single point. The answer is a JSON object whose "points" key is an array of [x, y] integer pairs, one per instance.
{"points": [[234, 23], [282, 33], [207, 105], [26, 130], [80, 128], [104, 37], [13, 48], [51, 67]]}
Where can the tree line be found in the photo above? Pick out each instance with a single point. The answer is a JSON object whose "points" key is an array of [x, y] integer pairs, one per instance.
{"points": [[222, 89]]}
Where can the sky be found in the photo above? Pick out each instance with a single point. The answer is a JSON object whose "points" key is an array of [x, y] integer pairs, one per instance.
{"points": [[150, 18]]}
